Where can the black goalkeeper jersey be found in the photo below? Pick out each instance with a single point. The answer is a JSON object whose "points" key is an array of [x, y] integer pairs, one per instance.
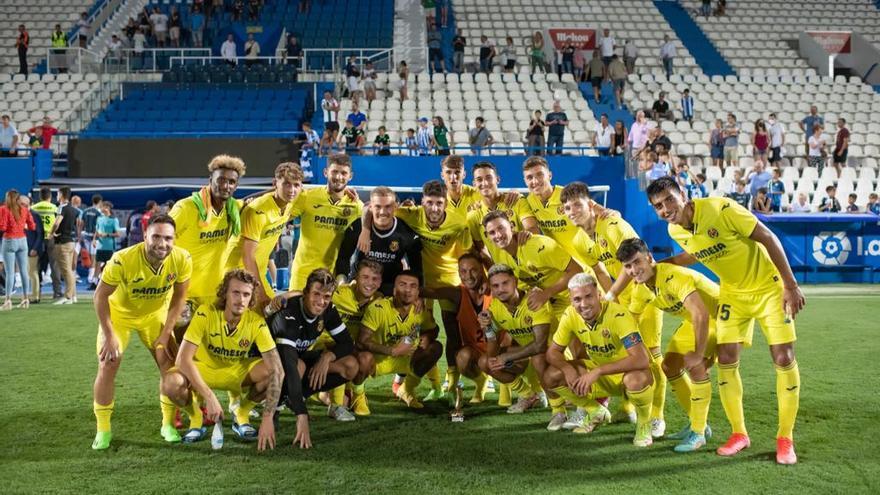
{"points": [[389, 248]]}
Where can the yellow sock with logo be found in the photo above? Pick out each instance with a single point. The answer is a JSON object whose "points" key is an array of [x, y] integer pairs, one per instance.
{"points": [[358, 389], [788, 393], [503, 394], [531, 377], [168, 409], [641, 400], [730, 389], [243, 413], [433, 376], [521, 387], [658, 402], [586, 403], [194, 411], [102, 415], [681, 387], [452, 378], [557, 404], [337, 395], [701, 397], [411, 382]]}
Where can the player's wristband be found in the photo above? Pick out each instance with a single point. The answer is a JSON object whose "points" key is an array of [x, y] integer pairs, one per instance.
{"points": [[609, 296]]}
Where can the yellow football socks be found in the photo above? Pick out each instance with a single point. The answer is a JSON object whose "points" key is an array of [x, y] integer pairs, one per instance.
{"points": [[102, 415], [730, 388], [337, 395], [641, 400], [788, 392], [681, 387], [194, 411], [701, 397], [433, 376], [658, 403], [168, 409], [243, 413], [452, 378], [557, 404]]}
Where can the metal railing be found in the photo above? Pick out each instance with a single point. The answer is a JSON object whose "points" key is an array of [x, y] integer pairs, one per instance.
{"points": [[129, 60], [73, 59]]}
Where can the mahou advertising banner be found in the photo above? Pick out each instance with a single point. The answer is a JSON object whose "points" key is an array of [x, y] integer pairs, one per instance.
{"points": [[834, 42], [556, 37]]}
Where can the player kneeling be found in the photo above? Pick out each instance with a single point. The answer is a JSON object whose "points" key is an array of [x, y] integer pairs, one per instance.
{"points": [[398, 335], [618, 362], [214, 355]]}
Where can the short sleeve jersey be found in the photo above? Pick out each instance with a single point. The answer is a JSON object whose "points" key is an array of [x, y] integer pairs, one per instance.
{"points": [[539, 262], [602, 245], [720, 239], [555, 224], [389, 327], [605, 340], [142, 290], [221, 346], [469, 197], [672, 285], [518, 324], [516, 214], [441, 247]]}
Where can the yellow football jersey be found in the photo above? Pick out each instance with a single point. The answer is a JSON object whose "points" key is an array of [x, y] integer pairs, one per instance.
{"points": [[517, 214], [389, 327], [469, 197], [539, 261], [346, 302], [602, 245], [261, 221], [720, 240], [555, 224], [607, 339], [141, 290], [219, 345], [323, 224], [209, 243], [672, 285], [441, 247], [519, 324]]}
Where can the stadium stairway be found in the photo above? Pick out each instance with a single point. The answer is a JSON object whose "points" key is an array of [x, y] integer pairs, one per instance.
{"points": [[694, 39], [448, 33], [607, 105]]}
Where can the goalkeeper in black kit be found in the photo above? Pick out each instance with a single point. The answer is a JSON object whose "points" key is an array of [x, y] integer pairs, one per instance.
{"points": [[296, 323]]}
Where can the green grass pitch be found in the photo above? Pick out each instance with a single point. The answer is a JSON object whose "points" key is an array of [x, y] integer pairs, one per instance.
{"points": [[48, 364]]}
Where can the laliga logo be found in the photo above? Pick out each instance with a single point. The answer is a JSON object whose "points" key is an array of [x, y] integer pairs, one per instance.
{"points": [[831, 248]]}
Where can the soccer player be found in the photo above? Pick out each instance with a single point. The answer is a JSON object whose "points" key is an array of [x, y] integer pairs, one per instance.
{"points": [[214, 354], [691, 296], [486, 180], [325, 214], [756, 284], [398, 337], [604, 233], [299, 323], [529, 331], [143, 290], [393, 244], [459, 195], [262, 222], [618, 362]]}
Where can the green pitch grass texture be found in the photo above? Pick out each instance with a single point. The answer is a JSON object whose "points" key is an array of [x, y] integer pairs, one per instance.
{"points": [[48, 363]]}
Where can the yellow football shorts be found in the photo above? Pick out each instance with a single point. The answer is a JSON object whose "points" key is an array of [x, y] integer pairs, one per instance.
{"points": [[737, 313], [387, 365], [229, 377], [682, 341], [148, 329], [650, 321], [606, 385]]}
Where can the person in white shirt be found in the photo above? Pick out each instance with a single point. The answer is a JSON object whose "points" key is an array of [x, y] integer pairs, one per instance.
{"points": [[604, 136], [667, 54], [115, 48], [801, 205], [630, 54], [139, 41], [160, 26], [777, 139], [606, 46], [228, 51], [84, 29], [330, 107], [251, 50]]}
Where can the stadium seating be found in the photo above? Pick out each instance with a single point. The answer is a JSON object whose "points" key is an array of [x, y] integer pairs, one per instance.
{"points": [[29, 99], [162, 109], [224, 73], [40, 20]]}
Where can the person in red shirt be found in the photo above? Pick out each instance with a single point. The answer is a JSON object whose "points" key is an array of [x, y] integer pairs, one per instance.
{"points": [[151, 209], [48, 132], [14, 219]]}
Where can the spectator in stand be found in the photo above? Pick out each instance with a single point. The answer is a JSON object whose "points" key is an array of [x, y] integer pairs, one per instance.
{"points": [[655, 167], [22, 42], [197, 26], [139, 45], [660, 109], [720, 8], [630, 55], [63, 232], [758, 178], [487, 53], [59, 43], [579, 64], [357, 118], [479, 137], [84, 29], [36, 244], [557, 121], [716, 144], [508, 55], [777, 139], [424, 137], [368, 77], [403, 84], [151, 208], [568, 50], [731, 141], [430, 8], [687, 106], [535, 135], [330, 107], [620, 136], [617, 73], [606, 46], [128, 30], [698, 188], [817, 146], [15, 219], [638, 135], [807, 123], [8, 137], [802, 205], [353, 138], [159, 22], [536, 53], [328, 142], [596, 73], [106, 233], [737, 176], [443, 5], [35, 138], [254, 9], [776, 188], [761, 142], [873, 205], [851, 206], [308, 149], [435, 52], [458, 44], [740, 195], [841, 145], [251, 51], [409, 142], [237, 10], [683, 175], [603, 138], [144, 22], [294, 51], [382, 143], [442, 138], [761, 202], [829, 203], [661, 142], [229, 51], [174, 24], [706, 8], [114, 50], [667, 55]]}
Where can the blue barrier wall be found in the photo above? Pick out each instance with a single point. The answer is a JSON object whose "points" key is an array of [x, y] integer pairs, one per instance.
{"points": [[22, 173]]}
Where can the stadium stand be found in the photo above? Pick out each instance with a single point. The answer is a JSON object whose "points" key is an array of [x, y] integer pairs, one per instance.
{"points": [[31, 98], [40, 20]]}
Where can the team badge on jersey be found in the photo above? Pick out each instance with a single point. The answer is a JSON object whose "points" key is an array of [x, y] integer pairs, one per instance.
{"points": [[170, 278], [244, 343], [346, 211], [528, 320], [712, 232], [394, 246], [560, 210], [320, 325], [606, 333]]}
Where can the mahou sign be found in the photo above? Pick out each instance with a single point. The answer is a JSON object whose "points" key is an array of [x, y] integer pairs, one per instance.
{"points": [[584, 39], [833, 42]]}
